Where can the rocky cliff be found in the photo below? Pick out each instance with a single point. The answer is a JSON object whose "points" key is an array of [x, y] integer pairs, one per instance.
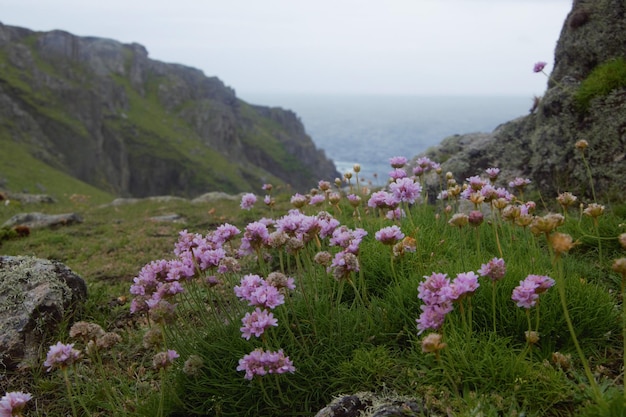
{"points": [[540, 146], [107, 114]]}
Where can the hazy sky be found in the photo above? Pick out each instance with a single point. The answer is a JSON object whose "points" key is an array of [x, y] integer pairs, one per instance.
{"points": [[442, 47]]}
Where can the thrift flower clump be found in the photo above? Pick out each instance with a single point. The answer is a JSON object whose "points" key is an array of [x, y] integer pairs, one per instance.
{"points": [[12, 403], [61, 356], [260, 362], [527, 293]]}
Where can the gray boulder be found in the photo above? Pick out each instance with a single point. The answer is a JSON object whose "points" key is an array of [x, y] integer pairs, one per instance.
{"points": [[41, 220], [26, 198], [35, 296]]}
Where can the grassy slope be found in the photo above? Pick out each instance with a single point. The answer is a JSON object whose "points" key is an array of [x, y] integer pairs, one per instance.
{"points": [[23, 172]]}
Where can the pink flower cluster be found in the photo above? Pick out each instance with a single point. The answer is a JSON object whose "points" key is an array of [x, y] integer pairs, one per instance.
{"points": [[247, 201], [12, 403], [405, 190], [527, 293], [494, 269], [259, 293], [259, 362], [438, 294], [389, 235], [61, 356], [256, 323], [159, 281]]}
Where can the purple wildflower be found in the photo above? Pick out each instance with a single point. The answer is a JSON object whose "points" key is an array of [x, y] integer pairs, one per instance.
{"points": [[317, 199], [258, 292], [519, 183], [389, 235], [493, 173], [494, 269], [465, 283], [259, 362], [395, 214], [256, 323], [224, 233], [397, 161], [539, 66], [61, 356], [433, 316], [397, 174], [12, 403], [247, 201], [343, 264], [405, 189], [527, 293]]}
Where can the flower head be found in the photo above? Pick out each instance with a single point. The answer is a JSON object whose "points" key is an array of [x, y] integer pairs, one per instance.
{"points": [[594, 210], [581, 144], [12, 403], [432, 343], [406, 190], [260, 362], [164, 359], [389, 235], [61, 356], [397, 161], [539, 66], [562, 242], [494, 269], [256, 323], [247, 201]]}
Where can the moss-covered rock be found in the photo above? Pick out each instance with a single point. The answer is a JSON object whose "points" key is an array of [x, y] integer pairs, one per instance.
{"points": [[35, 296]]}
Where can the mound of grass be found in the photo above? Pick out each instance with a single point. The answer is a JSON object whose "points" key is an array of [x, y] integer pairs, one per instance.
{"points": [[603, 79]]}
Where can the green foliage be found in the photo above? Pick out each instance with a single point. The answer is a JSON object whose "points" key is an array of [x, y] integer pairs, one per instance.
{"points": [[603, 79], [356, 333]]}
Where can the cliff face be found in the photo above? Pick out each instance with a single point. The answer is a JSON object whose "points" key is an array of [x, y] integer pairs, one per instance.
{"points": [[105, 113], [540, 146]]}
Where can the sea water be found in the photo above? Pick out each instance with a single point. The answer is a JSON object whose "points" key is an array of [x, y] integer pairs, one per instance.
{"points": [[371, 129]]}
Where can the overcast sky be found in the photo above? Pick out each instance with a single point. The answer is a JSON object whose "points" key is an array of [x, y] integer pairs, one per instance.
{"points": [[417, 47]]}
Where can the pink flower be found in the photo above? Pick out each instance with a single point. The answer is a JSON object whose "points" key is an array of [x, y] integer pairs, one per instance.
{"points": [[539, 66], [519, 183], [12, 403], [465, 283], [405, 189], [494, 269], [397, 161], [317, 199], [247, 201], [527, 293], [61, 356], [493, 173], [397, 173], [258, 292], [259, 362], [389, 235], [256, 323]]}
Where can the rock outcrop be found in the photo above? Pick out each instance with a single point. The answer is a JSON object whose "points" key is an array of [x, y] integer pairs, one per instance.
{"points": [[41, 220], [35, 295], [541, 146], [107, 114]]}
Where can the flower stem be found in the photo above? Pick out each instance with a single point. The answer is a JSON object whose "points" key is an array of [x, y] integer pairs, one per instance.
{"points": [[560, 284]]}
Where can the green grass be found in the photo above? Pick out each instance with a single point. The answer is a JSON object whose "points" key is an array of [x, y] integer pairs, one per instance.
{"points": [[605, 78], [40, 177], [355, 334]]}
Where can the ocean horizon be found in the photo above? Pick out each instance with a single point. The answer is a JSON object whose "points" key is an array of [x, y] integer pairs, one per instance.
{"points": [[370, 129]]}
